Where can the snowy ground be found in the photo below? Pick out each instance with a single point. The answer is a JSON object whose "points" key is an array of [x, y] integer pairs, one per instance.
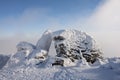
{"points": [[107, 71], [61, 73]]}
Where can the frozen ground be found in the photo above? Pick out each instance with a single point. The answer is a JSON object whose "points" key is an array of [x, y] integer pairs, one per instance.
{"points": [[108, 71]]}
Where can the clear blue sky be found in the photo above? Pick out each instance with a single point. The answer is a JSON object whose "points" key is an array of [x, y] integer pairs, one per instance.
{"points": [[34, 16]]}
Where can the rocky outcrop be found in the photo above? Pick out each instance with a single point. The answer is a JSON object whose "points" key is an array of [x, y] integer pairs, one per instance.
{"points": [[74, 44], [71, 46]]}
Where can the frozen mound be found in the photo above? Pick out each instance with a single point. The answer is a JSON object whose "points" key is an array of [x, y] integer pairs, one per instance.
{"points": [[72, 47], [30, 55]]}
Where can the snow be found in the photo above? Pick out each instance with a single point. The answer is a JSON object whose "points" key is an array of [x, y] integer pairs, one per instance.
{"points": [[61, 73], [35, 62]]}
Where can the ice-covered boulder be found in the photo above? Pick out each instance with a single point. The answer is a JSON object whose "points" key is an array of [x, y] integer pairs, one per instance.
{"points": [[40, 54], [25, 47], [38, 57], [73, 43]]}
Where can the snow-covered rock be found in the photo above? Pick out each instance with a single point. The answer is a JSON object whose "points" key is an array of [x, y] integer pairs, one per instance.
{"points": [[25, 47], [38, 57], [72, 47], [74, 44], [28, 54]]}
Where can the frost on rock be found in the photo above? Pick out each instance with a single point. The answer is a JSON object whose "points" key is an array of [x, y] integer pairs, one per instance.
{"points": [[40, 54], [74, 44], [38, 57], [45, 41], [25, 47], [31, 55]]}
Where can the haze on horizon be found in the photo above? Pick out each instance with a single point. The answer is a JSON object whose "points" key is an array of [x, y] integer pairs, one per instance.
{"points": [[26, 20]]}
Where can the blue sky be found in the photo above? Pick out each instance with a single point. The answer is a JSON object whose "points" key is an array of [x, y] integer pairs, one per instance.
{"points": [[58, 7], [26, 20], [34, 16]]}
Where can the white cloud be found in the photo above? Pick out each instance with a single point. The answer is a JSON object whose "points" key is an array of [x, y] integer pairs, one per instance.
{"points": [[105, 26], [33, 17], [106, 16], [27, 26]]}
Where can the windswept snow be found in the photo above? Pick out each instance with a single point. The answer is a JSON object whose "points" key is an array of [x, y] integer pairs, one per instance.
{"points": [[35, 62], [63, 73]]}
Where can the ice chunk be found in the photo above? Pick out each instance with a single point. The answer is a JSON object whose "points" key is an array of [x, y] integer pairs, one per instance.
{"points": [[45, 41]]}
